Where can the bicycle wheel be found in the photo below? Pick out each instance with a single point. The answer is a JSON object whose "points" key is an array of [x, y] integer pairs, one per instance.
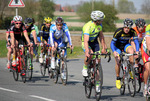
{"points": [[29, 67], [138, 82], [122, 89], [24, 69], [131, 82], [64, 72], [98, 73], [15, 73], [148, 90], [55, 74], [88, 86]]}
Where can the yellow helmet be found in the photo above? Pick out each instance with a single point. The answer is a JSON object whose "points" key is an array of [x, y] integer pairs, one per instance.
{"points": [[47, 20]]}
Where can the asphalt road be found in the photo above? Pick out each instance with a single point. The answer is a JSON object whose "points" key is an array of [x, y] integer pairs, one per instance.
{"points": [[43, 89]]}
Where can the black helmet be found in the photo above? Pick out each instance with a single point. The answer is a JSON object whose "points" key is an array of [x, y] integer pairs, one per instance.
{"points": [[140, 22], [128, 23], [59, 20], [28, 21]]}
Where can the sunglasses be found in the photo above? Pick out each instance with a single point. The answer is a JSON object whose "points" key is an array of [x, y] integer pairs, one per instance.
{"points": [[29, 24], [18, 23], [59, 24]]}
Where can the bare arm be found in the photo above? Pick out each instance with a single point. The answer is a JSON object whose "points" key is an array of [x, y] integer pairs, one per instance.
{"points": [[34, 36], [26, 36], [86, 39], [102, 40], [148, 43]]}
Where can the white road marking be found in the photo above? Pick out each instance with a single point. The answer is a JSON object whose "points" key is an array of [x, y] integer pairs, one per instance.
{"points": [[9, 90], [43, 98]]}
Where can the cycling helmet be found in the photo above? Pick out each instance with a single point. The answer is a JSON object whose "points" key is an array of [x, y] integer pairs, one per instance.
{"points": [[17, 18], [59, 20], [97, 15], [28, 21], [140, 22], [47, 20], [128, 23]]}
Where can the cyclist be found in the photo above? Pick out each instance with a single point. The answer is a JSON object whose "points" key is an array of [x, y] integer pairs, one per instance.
{"points": [[8, 45], [35, 47], [28, 22], [57, 33], [145, 51], [140, 29], [44, 35], [121, 42], [16, 36], [92, 30]]}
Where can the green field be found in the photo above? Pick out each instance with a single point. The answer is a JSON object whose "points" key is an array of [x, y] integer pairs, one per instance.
{"points": [[77, 51]]}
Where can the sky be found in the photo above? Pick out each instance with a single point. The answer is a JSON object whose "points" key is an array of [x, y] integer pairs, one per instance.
{"points": [[137, 3]]}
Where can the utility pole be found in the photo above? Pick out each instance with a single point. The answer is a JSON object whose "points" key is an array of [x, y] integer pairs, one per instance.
{"points": [[92, 5]]}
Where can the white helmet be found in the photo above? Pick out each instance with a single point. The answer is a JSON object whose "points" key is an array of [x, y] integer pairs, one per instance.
{"points": [[97, 15], [17, 18]]}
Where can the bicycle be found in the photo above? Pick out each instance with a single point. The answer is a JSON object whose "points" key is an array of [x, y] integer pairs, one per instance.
{"points": [[46, 61], [20, 67], [61, 67], [126, 79], [28, 62], [148, 90], [139, 75], [94, 68]]}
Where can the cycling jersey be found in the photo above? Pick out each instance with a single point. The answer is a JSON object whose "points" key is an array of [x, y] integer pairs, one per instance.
{"points": [[36, 29], [59, 35], [44, 32], [92, 30], [140, 35], [17, 31], [121, 39], [147, 34]]}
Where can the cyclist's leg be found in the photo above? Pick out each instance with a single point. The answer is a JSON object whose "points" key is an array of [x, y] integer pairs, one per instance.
{"points": [[129, 49], [8, 54], [147, 69], [53, 55]]}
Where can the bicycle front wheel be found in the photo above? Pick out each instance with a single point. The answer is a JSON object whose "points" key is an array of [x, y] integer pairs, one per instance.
{"points": [[132, 82], [64, 72], [24, 69], [122, 76], [15, 73], [138, 82], [55, 73], [29, 67], [98, 76], [88, 86]]}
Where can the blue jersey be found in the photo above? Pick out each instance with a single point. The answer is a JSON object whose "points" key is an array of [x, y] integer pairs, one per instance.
{"points": [[59, 35]]}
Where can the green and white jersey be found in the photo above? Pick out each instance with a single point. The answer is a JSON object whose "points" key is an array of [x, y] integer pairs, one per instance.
{"points": [[92, 30]]}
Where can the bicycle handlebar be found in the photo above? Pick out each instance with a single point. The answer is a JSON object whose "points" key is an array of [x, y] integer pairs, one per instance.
{"points": [[107, 54]]}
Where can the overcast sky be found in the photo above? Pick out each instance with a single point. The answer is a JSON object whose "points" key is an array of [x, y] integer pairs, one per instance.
{"points": [[137, 3]]}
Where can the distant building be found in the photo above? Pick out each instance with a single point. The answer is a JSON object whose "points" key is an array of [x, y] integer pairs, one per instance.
{"points": [[63, 9]]}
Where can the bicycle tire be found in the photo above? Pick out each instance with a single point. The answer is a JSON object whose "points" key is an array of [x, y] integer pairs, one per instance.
{"points": [[132, 82], [23, 68], [138, 83], [64, 65], [15, 73], [98, 69], [55, 74], [87, 85], [29, 67], [122, 89], [43, 69]]}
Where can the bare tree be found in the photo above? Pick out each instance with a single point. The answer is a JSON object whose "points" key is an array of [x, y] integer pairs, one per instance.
{"points": [[146, 7], [3, 5]]}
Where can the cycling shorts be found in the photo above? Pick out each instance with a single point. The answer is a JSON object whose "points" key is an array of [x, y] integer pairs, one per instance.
{"points": [[92, 45], [145, 56], [118, 50]]}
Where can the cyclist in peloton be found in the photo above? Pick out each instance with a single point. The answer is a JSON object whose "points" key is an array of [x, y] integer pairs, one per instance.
{"points": [[121, 42], [140, 30], [8, 45], [145, 51], [16, 36], [91, 31], [44, 35], [28, 22], [57, 32]]}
